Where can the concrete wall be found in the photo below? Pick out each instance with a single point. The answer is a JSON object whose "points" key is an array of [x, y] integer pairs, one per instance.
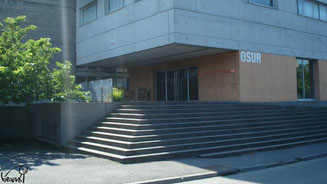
{"points": [[322, 80], [272, 80], [76, 117], [55, 19], [138, 26], [69, 120], [13, 123], [240, 25], [227, 24], [212, 87]]}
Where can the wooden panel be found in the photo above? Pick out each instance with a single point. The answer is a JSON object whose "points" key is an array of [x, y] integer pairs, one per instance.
{"points": [[272, 80], [216, 85], [213, 86]]}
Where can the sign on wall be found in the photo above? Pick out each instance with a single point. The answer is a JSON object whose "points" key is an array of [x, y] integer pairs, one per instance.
{"points": [[250, 57]]}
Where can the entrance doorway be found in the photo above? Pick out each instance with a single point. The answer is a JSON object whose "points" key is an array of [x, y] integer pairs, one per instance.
{"points": [[177, 85], [305, 79]]}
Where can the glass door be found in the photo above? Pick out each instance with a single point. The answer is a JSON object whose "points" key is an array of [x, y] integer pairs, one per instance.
{"points": [[177, 85], [193, 84], [170, 86], [305, 79], [161, 86], [181, 91]]}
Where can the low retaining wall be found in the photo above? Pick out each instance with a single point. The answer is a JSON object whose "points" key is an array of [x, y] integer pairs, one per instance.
{"points": [[54, 122], [14, 123]]}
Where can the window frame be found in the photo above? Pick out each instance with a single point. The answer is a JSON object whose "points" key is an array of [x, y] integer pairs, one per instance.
{"points": [[82, 10], [271, 2], [107, 7], [319, 4]]}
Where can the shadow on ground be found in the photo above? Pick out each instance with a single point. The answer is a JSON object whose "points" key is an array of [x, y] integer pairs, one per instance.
{"points": [[31, 154]]}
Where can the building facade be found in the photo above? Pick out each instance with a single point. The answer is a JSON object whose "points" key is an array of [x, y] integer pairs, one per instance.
{"points": [[185, 50], [209, 50]]}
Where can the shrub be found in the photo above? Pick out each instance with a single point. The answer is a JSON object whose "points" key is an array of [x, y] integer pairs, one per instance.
{"points": [[24, 73], [118, 95]]}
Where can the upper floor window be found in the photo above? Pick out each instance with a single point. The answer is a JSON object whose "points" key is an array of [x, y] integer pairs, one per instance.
{"points": [[114, 5], [323, 12], [263, 2], [89, 13], [312, 9]]}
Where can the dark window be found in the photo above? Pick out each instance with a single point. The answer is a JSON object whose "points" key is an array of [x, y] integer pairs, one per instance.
{"points": [[89, 13], [262, 2], [114, 5]]}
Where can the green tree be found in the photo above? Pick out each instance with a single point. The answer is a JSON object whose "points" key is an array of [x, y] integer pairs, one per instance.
{"points": [[24, 73]]}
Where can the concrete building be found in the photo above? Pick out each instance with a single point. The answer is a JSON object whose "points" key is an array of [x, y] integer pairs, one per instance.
{"points": [[209, 50], [184, 50]]}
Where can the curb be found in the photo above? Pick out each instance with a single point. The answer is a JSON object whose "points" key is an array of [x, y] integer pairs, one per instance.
{"points": [[180, 178], [230, 171], [281, 163]]}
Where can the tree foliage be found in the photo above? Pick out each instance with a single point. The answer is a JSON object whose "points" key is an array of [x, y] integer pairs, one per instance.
{"points": [[24, 73]]}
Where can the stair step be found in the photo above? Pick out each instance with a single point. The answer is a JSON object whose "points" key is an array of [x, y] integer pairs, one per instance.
{"points": [[191, 129], [179, 106], [172, 141], [186, 153], [208, 131], [147, 131], [177, 147], [213, 109], [272, 115], [195, 123], [98, 153], [205, 113]]}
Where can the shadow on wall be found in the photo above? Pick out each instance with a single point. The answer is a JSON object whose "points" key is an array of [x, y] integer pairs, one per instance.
{"points": [[31, 154]]}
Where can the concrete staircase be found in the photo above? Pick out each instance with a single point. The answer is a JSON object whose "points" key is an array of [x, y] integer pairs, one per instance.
{"points": [[147, 131]]}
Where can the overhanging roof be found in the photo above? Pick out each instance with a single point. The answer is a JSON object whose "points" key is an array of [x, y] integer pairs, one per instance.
{"points": [[166, 53]]}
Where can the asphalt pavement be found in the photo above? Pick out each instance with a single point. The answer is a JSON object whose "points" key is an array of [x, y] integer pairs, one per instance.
{"points": [[307, 172], [49, 165]]}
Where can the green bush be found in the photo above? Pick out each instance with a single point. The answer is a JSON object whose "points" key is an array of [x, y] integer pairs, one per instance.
{"points": [[24, 73], [118, 95]]}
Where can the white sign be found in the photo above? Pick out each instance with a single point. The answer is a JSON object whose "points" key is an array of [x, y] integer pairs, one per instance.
{"points": [[251, 57]]}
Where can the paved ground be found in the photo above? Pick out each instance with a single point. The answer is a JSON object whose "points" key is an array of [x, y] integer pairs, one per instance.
{"points": [[48, 165], [308, 172]]}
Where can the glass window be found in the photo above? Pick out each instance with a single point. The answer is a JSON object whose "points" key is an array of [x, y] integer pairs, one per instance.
{"points": [[114, 5], [306, 8], [263, 2], [323, 12], [305, 79], [313, 9], [89, 13]]}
